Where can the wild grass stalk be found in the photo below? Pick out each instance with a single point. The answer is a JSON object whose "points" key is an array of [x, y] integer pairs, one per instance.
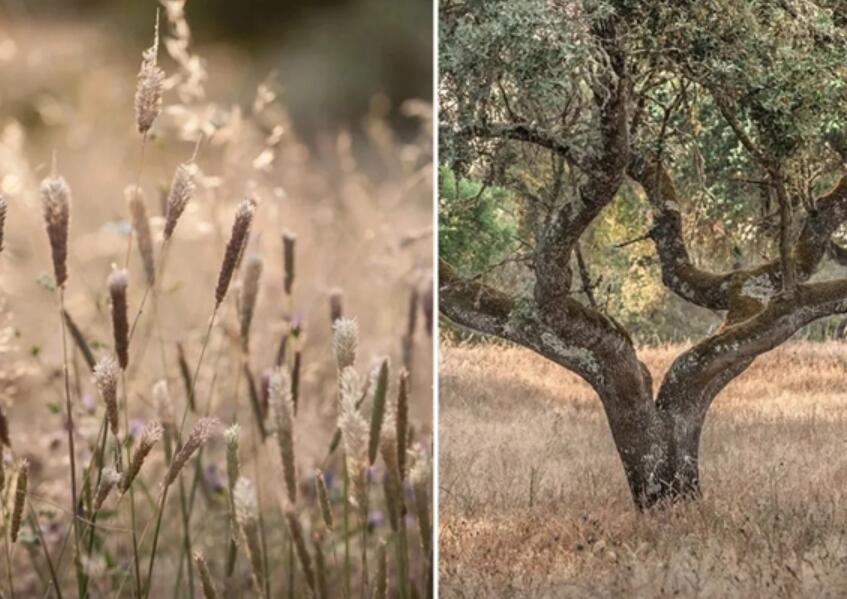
{"points": [[289, 242], [233, 472], [408, 341], [148, 106], [420, 477], [354, 433], [117, 285], [182, 189], [345, 341], [402, 421], [5, 514], [179, 195], [323, 499], [141, 226], [381, 582], [4, 206], [8, 552], [336, 305], [185, 513], [393, 489], [21, 483], [200, 435], [295, 530], [282, 409], [56, 201], [263, 539], [80, 341], [246, 511], [320, 567], [249, 295], [378, 411], [209, 590], [57, 587]]}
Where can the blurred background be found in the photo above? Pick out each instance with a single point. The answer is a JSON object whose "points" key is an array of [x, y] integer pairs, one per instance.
{"points": [[332, 56]]}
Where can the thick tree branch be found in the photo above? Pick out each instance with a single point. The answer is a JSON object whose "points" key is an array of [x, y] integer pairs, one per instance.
{"points": [[604, 174], [815, 236], [525, 132], [472, 304], [741, 343], [578, 338], [698, 286], [744, 292]]}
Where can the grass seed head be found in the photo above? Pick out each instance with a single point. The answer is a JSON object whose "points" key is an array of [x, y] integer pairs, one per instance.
{"points": [[392, 483], [249, 295], [4, 204], [420, 475], [141, 226], [336, 304], [181, 191], [378, 411], [200, 434], [118, 281], [323, 499], [20, 499], [56, 204], [149, 437], [110, 478], [235, 246], [345, 340], [148, 91], [106, 373], [5, 439], [233, 467], [164, 405], [354, 433], [247, 515], [282, 410], [209, 590], [289, 241]]}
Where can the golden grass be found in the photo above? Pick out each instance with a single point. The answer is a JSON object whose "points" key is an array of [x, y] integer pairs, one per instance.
{"points": [[533, 499]]}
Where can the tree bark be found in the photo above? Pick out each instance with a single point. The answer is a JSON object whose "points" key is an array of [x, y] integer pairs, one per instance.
{"points": [[660, 456]]}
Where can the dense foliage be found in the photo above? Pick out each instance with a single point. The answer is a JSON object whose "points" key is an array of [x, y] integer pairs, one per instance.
{"points": [[474, 224], [726, 94]]}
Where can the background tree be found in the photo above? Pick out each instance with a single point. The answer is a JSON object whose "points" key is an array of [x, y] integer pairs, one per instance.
{"points": [[680, 116]]}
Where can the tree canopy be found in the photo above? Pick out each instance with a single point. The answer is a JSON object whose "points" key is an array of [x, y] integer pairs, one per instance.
{"points": [[720, 92]]}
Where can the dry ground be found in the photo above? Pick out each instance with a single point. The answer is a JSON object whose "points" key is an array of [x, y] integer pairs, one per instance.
{"points": [[533, 500]]}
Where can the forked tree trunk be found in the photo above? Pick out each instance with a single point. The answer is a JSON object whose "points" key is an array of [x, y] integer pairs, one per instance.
{"points": [[658, 440], [660, 455]]}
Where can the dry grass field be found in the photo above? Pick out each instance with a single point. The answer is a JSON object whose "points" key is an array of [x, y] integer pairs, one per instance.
{"points": [[533, 501], [362, 222]]}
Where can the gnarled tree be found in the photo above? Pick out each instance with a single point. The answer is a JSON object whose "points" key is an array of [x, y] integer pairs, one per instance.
{"points": [[574, 103]]}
